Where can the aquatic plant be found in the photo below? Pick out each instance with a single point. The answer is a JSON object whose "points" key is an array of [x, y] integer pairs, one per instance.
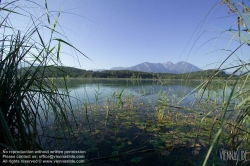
{"points": [[118, 98], [97, 93], [129, 100], [161, 104]]}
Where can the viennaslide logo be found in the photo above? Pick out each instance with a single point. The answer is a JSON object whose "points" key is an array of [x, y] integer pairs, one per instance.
{"points": [[239, 155]]}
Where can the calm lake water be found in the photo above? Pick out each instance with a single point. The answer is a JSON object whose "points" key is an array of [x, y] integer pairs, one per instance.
{"points": [[179, 92], [138, 135], [100, 90]]}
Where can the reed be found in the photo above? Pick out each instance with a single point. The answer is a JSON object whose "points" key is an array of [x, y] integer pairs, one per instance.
{"points": [[161, 104], [27, 95], [234, 110]]}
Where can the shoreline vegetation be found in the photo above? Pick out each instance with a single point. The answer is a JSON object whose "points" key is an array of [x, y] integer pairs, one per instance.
{"points": [[62, 71], [35, 114]]}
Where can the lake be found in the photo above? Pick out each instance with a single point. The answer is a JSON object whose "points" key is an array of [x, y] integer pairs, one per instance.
{"points": [[91, 91], [142, 122]]}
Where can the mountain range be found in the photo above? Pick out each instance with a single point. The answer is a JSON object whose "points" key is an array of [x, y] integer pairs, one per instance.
{"points": [[167, 67]]}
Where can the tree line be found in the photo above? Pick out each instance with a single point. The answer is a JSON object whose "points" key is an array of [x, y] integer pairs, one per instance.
{"points": [[62, 71]]}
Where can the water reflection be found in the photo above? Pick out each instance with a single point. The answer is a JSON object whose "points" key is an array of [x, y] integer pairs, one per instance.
{"points": [[91, 91]]}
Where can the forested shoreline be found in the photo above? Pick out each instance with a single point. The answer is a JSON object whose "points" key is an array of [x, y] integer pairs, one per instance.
{"points": [[62, 71]]}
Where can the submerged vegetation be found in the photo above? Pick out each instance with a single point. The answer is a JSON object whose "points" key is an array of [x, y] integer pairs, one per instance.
{"points": [[36, 112], [127, 129]]}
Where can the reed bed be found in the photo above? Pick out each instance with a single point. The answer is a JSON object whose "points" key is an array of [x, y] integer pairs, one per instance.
{"points": [[27, 96]]}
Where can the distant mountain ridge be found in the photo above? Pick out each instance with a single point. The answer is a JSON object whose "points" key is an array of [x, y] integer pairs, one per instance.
{"points": [[167, 67]]}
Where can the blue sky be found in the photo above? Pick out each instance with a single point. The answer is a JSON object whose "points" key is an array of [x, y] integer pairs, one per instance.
{"points": [[123, 33]]}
